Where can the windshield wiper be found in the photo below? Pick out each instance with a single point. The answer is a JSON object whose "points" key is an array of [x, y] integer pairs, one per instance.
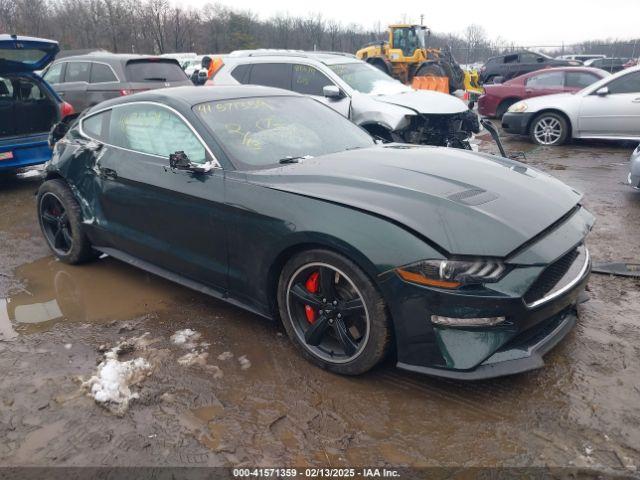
{"points": [[290, 159], [156, 79]]}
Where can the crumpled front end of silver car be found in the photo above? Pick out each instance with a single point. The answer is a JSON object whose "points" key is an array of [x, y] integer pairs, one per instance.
{"points": [[441, 130]]}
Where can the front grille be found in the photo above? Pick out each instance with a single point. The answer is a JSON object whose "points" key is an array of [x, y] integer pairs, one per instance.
{"points": [[550, 277]]}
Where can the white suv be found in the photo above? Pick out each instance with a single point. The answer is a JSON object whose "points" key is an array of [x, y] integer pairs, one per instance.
{"points": [[383, 106]]}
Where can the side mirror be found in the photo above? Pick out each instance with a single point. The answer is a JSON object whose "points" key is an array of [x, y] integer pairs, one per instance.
{"points": [[180, 161], [602, 91], [498, 79], [331, 91]]}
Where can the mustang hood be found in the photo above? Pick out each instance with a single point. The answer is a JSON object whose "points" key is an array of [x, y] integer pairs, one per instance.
{"points": [[425, 101], [467, 203]]}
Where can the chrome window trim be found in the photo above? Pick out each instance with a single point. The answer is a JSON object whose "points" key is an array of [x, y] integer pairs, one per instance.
{"points": [[213, 163], [567, 287]]}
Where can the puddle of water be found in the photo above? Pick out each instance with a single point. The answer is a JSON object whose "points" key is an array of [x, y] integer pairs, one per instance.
{"points": [[101, 291]]}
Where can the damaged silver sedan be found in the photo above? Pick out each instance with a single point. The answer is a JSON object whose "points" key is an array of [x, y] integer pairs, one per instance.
{"points": [[387, 109]]}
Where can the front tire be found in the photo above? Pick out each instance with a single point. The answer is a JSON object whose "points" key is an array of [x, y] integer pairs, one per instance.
{"points": [[333, 313], [60, 220], [549, 129]]}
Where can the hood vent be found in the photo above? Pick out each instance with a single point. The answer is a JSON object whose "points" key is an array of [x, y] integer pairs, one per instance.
{"points": [[473, 197]]}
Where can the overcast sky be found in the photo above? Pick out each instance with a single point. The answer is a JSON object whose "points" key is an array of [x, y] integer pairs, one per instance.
{"points": [[528, 22]]}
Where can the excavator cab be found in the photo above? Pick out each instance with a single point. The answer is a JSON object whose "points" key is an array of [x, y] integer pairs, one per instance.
{"points": [[407, 43]]}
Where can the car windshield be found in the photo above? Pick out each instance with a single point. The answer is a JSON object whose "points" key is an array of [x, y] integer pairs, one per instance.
{"points": [[262, 132], [368, 79]]}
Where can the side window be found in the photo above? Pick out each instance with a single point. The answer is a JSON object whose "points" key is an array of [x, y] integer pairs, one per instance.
{"points": [[154, 130], [580, 79], [77, 72], [101, 73], [6, 88], [308, 80], [97, 126], [271, 75], [528, 58], [54, 74], [511, 59], [241, 73], [546, 80], [629, 83]]}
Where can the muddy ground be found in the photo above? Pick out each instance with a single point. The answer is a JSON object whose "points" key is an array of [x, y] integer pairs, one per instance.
{"points": [[272, 408]]}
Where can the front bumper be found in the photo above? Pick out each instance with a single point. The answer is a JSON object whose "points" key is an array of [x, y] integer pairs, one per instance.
{"points": [[519, 356], [538, 300], [517, 123]]}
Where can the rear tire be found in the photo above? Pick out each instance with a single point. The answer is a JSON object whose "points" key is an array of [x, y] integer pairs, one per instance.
{"points": [[341, 324], [549, 129], [60, 220]]}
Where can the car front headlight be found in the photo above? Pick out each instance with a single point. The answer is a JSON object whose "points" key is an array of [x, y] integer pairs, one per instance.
{"points": [[453, 273], [518, 107]]}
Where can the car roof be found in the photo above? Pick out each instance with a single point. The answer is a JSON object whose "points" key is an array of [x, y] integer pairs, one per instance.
{"points": [[189, 96], [108, 57], [328, 58], [566, 69]]}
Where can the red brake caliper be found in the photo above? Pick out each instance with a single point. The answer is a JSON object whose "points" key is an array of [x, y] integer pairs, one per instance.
{"points": [[312, 286]]}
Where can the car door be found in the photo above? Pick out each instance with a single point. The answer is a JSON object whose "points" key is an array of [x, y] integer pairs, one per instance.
{"points": [[614, 113], [76, 81], [170, 218], [544, 83], [103, 84], [308, 80], [527, 62], [577, 80], [54, 76], [510, 67]]}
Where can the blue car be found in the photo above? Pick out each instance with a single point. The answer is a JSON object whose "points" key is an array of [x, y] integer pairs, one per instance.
{"points": [[29, 107]]}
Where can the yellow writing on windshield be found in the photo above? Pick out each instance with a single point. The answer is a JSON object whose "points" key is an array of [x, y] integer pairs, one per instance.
{"points": [[235, 105]]}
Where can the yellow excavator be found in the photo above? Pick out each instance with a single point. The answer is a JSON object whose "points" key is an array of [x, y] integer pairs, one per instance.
{"points": [[405, 56]]}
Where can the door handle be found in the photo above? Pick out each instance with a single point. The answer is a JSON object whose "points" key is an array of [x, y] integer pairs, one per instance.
{"points": [[108, 173]]}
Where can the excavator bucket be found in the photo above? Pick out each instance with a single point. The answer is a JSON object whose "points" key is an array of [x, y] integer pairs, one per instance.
{"points": [[439, 84]]}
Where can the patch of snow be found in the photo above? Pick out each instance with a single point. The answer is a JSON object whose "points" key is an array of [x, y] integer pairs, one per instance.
{"points": [[588, 450], [68, 346], [194, 358], [244, 362], [217, 372], [185, 338], [110, 386], [225, 356]]}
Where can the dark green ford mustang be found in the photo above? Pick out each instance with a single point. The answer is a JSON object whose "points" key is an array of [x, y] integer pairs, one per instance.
{"points": [[471, 265]]}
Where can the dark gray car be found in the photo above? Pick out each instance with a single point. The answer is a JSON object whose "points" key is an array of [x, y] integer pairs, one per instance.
{"points": [[86, 80]]}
